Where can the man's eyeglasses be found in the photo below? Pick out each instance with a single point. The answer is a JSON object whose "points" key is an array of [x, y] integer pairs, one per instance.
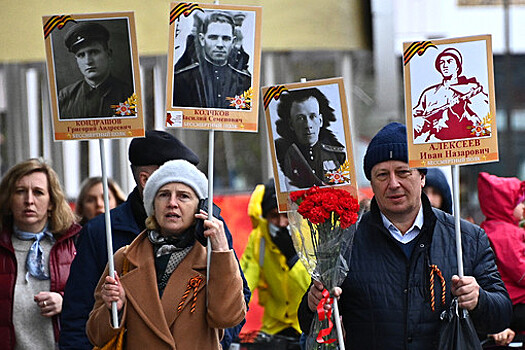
{"points": [[384, 175]]}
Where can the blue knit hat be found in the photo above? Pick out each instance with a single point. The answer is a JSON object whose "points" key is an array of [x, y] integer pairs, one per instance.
{"points": [[390, 143]]}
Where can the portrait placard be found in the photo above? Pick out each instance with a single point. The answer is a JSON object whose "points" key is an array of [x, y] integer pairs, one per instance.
{"points": [[213, 67], [94, 77], [309, 136], [450, 102]]}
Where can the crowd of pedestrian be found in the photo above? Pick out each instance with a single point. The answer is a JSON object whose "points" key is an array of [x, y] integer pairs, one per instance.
{"points": [[403, 272]]}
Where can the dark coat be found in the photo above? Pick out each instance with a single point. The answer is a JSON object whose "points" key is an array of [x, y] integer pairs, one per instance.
{"points": [[207, 86], [90, 263], [86, 270], [385, 302], [79, 100], [60, 257]]}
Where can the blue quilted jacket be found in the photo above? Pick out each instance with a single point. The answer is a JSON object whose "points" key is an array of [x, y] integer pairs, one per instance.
{"points": [[385, 302]]}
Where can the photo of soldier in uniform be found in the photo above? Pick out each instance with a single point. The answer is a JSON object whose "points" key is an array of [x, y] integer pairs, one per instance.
{"points": [[214, 59], [455, 107], [309, 136], [94, 70]]}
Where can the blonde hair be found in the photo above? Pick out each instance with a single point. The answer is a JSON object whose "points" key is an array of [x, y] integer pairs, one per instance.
{"points": [[86, 185], [152, 224], [61, 217]]}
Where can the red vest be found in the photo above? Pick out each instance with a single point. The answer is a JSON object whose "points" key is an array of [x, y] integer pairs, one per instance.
{"points": [[60, 258]]}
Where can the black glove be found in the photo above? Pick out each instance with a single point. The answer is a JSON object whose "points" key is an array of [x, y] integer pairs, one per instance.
{"points": [[284, 242]]}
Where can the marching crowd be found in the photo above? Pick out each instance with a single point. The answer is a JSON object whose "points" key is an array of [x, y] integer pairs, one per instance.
{"points": [[56, 292]]}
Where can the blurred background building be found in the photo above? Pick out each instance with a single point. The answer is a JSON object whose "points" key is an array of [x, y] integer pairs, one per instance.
{"points": [[359, 40]]}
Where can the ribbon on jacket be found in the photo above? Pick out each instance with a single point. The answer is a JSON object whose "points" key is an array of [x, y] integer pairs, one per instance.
{"points": [[434, 270], [322, 314], [192, 283]]}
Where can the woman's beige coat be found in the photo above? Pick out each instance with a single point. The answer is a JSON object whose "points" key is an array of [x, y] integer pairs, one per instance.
{"points": [[154, 323]]}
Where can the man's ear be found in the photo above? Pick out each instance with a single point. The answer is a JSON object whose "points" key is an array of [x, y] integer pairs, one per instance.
{"points": [[423, 179], [322, 119], [201, 39], [143, 177]]}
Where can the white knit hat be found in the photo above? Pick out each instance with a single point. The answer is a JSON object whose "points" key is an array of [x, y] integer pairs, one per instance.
{"points": [[174, 171]]}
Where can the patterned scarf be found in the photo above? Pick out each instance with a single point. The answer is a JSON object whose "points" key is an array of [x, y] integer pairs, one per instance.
{"points": [[177, 247], [35, 260], [166, 245]]}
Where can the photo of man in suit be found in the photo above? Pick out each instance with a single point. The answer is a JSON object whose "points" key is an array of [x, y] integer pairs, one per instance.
{"points": [[210, 78], [98, 90], [307, 150]]}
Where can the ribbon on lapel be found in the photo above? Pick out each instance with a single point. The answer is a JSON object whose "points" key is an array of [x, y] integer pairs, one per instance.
{"points": [[194, 284]]}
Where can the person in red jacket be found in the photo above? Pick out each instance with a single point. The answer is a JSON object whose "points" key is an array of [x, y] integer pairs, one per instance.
{"points": [[501, 201], [37, 245]]}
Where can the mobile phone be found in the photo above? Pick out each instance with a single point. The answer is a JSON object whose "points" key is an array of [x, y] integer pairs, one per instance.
{"points": [[199, 225]]}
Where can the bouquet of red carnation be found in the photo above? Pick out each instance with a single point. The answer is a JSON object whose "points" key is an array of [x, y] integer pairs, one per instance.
{"points": [[322, 222]]}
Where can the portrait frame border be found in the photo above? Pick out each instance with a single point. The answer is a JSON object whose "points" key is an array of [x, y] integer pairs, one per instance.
{"points": [[270, 94], [473, 150], [220, 119], [113, 127]]}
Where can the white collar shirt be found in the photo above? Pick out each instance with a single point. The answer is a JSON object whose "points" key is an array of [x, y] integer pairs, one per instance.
{"points": [[411, 233]]}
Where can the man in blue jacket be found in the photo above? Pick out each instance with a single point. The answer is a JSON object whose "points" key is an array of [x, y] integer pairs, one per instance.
{"points": [[387, 300], [127, 220]]}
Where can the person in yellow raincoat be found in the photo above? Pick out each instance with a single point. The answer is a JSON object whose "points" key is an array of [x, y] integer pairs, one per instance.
{"points": [[271, 265]]}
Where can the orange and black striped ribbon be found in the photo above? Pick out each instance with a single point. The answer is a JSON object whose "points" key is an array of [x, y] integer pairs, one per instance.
{"points": [[54, 22], [183, 8], [434, 270], [273, 92], [194, 284], [418, 47]]}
